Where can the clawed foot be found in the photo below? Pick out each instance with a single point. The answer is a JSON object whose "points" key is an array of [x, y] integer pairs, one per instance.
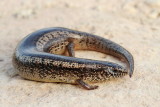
{"points": [[85, 85]]}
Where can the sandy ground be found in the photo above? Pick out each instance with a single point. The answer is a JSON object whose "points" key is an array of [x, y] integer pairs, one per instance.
{"points": [[134, 24]]}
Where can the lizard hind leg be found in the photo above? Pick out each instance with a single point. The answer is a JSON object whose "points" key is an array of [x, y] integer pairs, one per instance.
{"points": [[85, 85], [70, 49]]}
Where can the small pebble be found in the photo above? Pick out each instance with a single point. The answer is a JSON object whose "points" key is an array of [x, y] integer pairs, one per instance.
{"points": [[153, 3], [154, 14], [26, 13], [1, 60]]}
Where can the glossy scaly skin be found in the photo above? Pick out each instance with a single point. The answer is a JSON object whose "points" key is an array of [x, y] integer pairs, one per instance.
{"points": [[40, 57]]}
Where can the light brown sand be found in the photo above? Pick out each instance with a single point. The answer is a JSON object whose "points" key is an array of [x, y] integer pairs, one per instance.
{"points": [[134, 24]]}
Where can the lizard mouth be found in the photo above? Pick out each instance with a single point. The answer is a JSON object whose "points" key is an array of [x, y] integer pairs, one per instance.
{"points": [[117, 72]]}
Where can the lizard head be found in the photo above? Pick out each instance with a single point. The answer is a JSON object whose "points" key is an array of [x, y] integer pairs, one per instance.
{"points": [[116, 71]]}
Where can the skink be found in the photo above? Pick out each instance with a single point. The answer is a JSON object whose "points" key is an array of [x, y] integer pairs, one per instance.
{"points": [[48, 55]]}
